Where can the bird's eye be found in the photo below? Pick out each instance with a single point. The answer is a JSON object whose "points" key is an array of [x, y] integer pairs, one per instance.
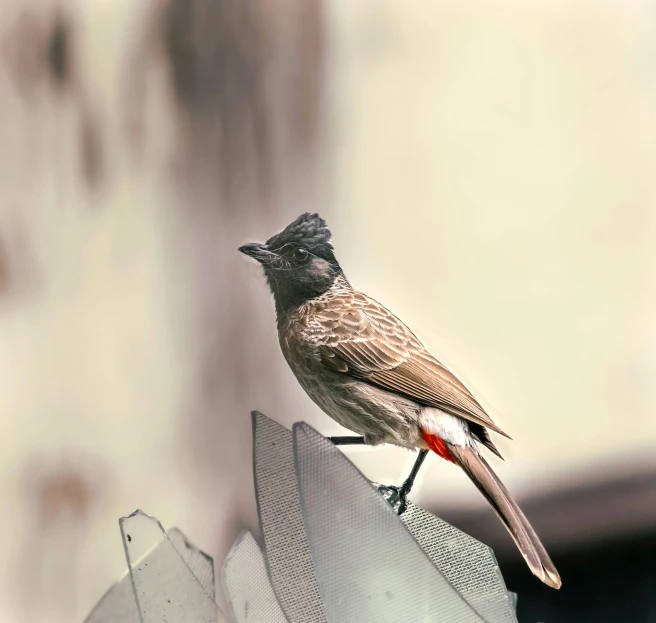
{"points": [[300, 254]]}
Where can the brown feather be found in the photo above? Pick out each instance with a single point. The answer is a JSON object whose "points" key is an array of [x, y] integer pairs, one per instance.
{"points": [[368, 342], [488, 483]]}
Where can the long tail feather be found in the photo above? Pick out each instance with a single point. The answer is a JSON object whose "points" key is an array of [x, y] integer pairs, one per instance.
{"points": [[487, 482]]}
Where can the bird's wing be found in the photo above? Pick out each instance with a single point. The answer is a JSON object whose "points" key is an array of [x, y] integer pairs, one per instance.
{"points": [[359, 337]]}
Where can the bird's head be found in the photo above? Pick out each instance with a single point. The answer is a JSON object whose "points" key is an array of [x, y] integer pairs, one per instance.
{"points": [[299, 262]]}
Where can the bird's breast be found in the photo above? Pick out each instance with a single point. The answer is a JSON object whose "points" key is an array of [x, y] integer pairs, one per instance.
{"points": [[381, 416]]}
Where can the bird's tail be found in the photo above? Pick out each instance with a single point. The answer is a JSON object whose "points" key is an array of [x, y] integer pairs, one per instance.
{"points": [[487, 482]]}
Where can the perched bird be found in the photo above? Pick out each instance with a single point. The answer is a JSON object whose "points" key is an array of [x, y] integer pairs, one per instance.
{"points": [[370, 373]]}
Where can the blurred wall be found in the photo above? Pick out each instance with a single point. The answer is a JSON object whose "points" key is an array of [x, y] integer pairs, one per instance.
{"points": [[494, 168], [141, 143], [487, 171]]}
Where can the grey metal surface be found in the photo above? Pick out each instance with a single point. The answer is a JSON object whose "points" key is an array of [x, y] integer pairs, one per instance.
{"points": [[335, 552], [469, 565], [368, 565], [247, 586], [281, 521], [165, 589]]}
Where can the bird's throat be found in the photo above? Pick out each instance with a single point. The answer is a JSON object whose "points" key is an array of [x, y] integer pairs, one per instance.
{"points": [[290, 294]]}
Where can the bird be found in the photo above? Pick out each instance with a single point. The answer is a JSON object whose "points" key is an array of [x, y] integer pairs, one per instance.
{"points": [[370, 373]]}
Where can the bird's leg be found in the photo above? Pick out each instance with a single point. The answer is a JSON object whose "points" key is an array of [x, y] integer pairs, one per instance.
{"points": [[406, 487], [398, 496], [401, 502], [347, 441]]}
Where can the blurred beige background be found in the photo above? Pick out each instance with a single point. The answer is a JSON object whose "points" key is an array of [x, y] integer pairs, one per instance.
{"points": [[488, 173]]}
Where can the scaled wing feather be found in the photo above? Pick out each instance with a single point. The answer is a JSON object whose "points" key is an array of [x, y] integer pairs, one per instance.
{"points": [[375, 346]]}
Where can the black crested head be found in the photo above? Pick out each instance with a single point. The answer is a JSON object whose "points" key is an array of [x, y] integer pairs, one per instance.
{"points": [[299, 262], [308, 231]]}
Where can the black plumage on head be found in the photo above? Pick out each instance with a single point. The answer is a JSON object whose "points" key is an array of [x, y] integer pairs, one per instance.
{"points": [[308, 231]]}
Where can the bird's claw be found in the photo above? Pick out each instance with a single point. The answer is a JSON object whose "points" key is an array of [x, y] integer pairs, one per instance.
{"points": [[395, 496]]}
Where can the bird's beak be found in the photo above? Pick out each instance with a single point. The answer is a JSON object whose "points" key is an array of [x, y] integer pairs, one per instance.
{"points": [[259, 252]]}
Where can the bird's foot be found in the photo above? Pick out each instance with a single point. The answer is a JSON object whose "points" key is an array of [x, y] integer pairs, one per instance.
{"points": [[398, 496], [395, 496]]}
